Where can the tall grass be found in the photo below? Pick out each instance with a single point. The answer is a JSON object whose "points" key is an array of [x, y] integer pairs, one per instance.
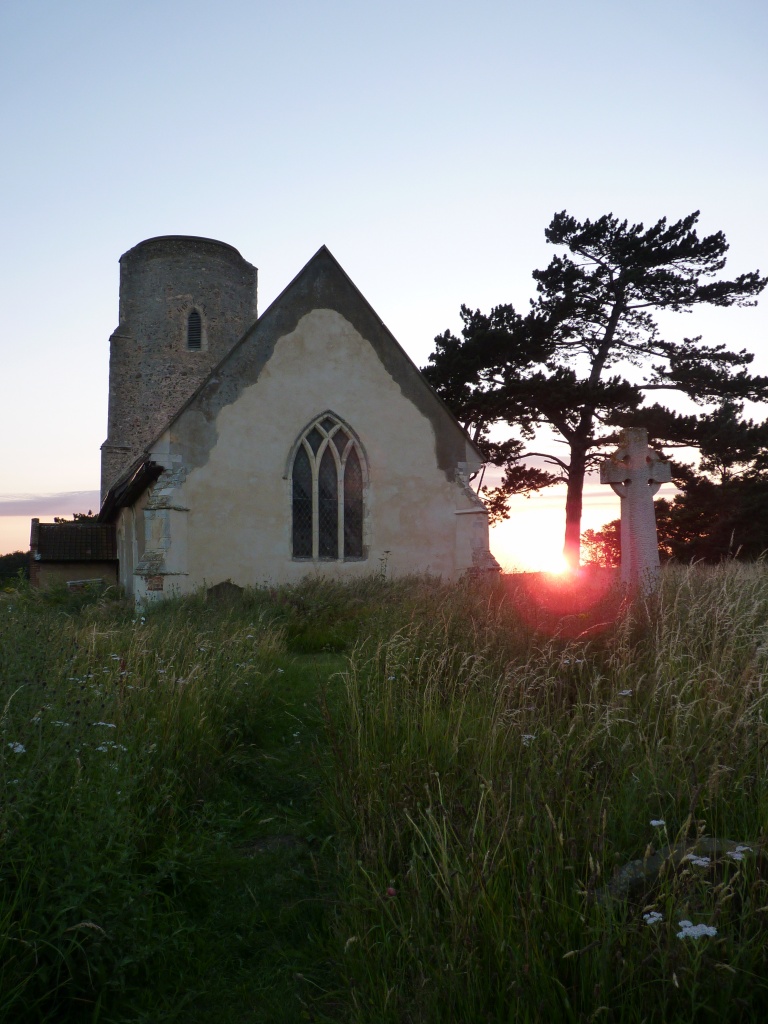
{"points": [[115, 729], [389, 801], [490, 780]]}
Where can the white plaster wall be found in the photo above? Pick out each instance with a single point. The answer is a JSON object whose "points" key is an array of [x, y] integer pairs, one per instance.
{"points": [[239, 501]]}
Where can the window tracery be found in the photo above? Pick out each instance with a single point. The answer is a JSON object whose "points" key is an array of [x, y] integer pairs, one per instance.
{"points": [[327, 484]]}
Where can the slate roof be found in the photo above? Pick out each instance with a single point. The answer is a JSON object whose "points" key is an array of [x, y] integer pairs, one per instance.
{"points": [[76, 542]]}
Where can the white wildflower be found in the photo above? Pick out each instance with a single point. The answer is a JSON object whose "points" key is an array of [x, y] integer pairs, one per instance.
{"points": [[738, 853], [18, 748], [107, 725], [280, 671], [699, 862], [528, 738], [695, 931], [653, 917], [625, 693], [657, 822], [64, 725]]}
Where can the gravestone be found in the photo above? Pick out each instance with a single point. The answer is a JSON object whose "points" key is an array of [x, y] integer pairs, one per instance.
{"points": [[225, 591], [635, 473]]}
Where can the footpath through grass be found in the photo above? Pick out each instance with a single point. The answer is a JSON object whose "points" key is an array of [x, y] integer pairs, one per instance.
{"points": [[388, 803]]}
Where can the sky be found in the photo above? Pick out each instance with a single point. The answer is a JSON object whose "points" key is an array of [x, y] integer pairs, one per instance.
{"points": [[427, 144]]}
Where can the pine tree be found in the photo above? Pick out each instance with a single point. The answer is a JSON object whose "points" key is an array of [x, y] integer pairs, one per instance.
{"points": [[582, 360]]}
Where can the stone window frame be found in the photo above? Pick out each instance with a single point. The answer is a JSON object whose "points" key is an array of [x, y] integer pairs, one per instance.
{"points": [[315, 460]]}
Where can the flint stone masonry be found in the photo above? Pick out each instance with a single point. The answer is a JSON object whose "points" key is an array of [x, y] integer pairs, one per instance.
{"points": [[635, 473], [151, 370]]}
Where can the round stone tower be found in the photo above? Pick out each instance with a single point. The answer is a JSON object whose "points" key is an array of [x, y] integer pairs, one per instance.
{"points": [[184, 302]]}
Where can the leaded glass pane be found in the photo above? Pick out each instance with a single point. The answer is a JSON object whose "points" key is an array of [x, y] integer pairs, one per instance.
{"points": [[328, 424], [315, 439], [353, 507], [328, 510], [340, 440], [302, 505]]}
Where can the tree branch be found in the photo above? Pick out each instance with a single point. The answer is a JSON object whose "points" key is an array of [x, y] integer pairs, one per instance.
{"points": [[548, 458]]}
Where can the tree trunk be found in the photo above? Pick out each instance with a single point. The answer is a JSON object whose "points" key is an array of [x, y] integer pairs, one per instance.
{"points": [[573, 503]]}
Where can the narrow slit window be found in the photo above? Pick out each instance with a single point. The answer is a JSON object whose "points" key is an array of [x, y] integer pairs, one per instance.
{"points": [[194, 331], [327, 479]]}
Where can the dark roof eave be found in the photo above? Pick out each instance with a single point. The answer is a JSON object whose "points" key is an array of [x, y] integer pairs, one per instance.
{"points": [[74, 559], [128, 488]]}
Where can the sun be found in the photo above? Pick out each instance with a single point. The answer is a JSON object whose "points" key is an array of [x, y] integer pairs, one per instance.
{"points": [[531, 539], [552, 562]]}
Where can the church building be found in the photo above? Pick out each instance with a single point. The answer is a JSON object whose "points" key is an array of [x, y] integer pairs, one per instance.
{"points": [[261, 449]]}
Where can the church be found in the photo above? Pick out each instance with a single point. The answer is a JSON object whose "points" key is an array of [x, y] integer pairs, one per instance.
{"points": [[260, 449]]}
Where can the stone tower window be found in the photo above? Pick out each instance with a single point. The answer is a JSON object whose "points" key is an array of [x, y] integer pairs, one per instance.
{"points": [[327, 493], [194, 331]]}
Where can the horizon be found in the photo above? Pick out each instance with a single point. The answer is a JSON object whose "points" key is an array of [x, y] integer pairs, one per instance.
{"points": [[510, 540]]}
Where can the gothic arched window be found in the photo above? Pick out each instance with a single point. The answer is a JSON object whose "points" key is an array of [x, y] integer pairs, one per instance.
{"points": [[327, 492], [194, 331]]}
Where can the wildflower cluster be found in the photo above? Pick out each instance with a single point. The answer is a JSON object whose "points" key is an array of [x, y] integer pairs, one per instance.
{"points": [[689, 930]]}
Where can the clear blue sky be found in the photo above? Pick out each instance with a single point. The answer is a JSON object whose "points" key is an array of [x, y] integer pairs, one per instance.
{"points": [[427, 144]]}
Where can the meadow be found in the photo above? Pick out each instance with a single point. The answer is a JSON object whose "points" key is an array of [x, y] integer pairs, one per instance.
{"points": [[392, 801]]}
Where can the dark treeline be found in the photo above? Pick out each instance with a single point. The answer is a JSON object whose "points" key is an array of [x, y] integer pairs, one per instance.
{"points": [[706, 522], [14, 563], [721, 510]]}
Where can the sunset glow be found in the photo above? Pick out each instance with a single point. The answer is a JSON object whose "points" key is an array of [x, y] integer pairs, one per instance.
{"points": [[531, 540], [553, 562]]}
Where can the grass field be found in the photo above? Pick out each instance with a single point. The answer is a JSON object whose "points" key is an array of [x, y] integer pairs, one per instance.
{"points": [[393, 801]]}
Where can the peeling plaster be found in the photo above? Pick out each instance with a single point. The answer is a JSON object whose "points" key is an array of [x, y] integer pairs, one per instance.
{"points": [[321, 286]]}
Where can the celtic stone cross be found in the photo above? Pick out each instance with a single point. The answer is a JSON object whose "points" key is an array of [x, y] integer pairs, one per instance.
{"points": [[635, 473]]}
